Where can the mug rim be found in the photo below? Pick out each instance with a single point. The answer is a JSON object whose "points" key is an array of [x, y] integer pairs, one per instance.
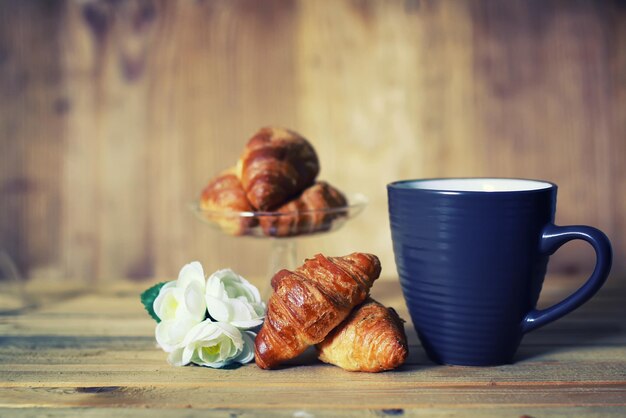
{"points": [[402, 185]]}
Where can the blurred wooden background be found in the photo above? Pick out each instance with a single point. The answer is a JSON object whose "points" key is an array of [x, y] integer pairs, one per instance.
{"points": [[113, 115]]}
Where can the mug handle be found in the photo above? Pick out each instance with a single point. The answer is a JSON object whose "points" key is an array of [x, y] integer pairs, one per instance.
{"points": [[552, 238]]}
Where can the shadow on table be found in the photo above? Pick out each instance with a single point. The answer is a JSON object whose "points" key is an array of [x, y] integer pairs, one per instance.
{"points": [[600, 322], [597, 323]]}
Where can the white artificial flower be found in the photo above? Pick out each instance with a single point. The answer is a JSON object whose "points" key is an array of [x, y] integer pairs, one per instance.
{"points": [[185, 332], [231, 298], [183, 298], [171, 332], [180, 306], [214, 344]]}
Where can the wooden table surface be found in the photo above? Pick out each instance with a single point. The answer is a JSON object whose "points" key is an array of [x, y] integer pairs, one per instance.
{"points": [[82, 352]]}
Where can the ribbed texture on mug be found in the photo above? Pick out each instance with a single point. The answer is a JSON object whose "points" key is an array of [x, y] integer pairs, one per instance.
{"points": [[470, 270]]}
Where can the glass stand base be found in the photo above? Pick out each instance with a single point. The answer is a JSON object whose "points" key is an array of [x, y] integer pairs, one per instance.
{"points": [[283, 255]]}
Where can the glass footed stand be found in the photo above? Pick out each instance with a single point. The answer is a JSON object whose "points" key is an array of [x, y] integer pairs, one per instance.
{"points": [[281, 229]]}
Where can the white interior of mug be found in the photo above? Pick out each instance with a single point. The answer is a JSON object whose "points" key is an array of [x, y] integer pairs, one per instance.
{"points": [[478, 185]]}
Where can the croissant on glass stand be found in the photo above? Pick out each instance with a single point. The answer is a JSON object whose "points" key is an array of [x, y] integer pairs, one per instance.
{"points": [[222, 198], [310, 302], [371, 339], [307, 213], [276, 165]]}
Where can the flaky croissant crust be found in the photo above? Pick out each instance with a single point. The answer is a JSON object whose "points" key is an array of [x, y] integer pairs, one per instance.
{"points": [[223, 196], [310, 301], [371, 339], [276, 165], [306, 213]]}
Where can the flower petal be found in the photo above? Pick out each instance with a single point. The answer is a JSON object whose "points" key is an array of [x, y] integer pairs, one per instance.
{"points": [[168, 285], [219, 309], [188, 352], [161, 333], [170, 334], [215, 286], [247, 353], [165, 303], [201, 331], [244, 315], [245, 325], [191, 272], [231, 298], [175, 358], [232, 332], [212, 344], [194, 300]]}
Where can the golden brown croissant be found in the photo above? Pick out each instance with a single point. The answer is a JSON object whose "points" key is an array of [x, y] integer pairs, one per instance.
{"points": [[225, 194], [371, 339], [276, 165], [306, 214], [310, 301]]}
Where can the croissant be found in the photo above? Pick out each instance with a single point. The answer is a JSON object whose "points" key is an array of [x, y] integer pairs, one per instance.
{"points": [[307, 213], [276, 165], [371, 339], [225, 194], [310, 301]]}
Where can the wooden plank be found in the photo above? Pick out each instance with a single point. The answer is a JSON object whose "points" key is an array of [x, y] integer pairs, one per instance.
{"points": [[221, 70], [105, 54], [542, 88], [584, 332], [118, 369], [156, 97], [120, 351], [95, 332], [32, 109], [91, 314], [117, 113], [152, 101], [487, 412], [96, 350], [260, 396], [617, 67], [381, 83]]}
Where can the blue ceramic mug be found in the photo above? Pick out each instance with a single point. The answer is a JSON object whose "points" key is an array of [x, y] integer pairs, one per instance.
{"points": [[472, 255]]}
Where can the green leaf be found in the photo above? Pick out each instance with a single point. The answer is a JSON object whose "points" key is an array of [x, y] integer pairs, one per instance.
{"points": [[148, 297]]}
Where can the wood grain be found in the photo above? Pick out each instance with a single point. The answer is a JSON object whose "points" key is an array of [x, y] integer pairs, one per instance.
{"points": [[32, 105], [496, 411], [115, 114], [95, 350]]}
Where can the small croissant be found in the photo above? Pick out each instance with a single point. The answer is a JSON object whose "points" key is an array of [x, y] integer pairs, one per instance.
{"points": [[275, 166], [310, 301], [371, 339], [222, 199], [310, 212]]}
